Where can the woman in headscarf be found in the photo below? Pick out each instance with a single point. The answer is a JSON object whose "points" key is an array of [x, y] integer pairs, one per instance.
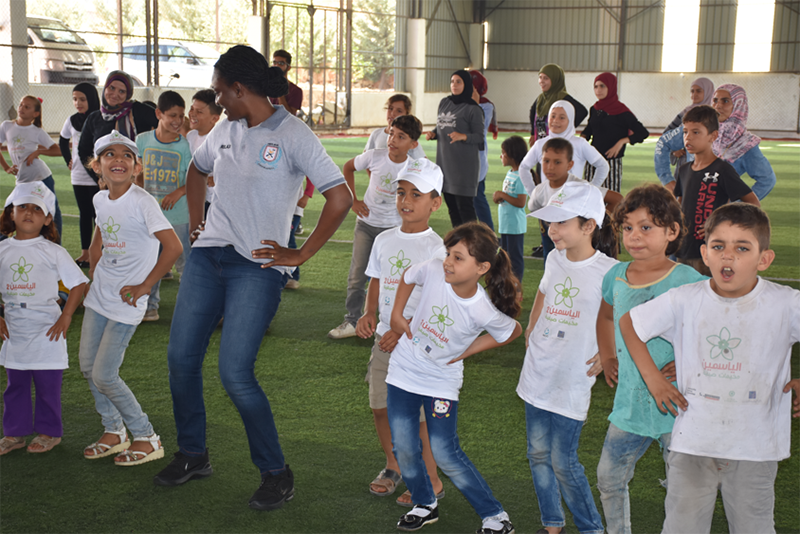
{"points": [[735, 144], [118, 111], [611, 126], [479, 88], [459, 132], [554, 88], [702, 91], [85, 100]]}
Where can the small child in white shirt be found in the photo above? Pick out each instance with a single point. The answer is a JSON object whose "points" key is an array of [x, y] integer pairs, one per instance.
{"points": [[733, 337]]}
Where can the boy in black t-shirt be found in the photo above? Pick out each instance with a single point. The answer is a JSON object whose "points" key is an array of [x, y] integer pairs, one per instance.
{"points": [[704, 184]]}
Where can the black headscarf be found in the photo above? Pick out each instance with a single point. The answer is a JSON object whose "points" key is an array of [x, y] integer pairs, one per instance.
{"points": [[466, 95], [92, 99]]}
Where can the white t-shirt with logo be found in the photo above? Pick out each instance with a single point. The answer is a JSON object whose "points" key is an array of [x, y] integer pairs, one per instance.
{"points": [[21, 142], [564, 338], [392, 253], [732, 358], [444, 325], [380, 139], [29, 273], [78, 174], [380, 194], [195, 140], [130, 251]]}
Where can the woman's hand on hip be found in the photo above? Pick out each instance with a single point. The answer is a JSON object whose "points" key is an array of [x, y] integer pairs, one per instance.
{"points": [[291, 257]]}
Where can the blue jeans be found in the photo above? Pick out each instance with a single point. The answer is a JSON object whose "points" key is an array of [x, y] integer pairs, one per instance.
{"points": [[403, 408], [547, 245], [182, 231], [103, 344], [482, 209], [293, 244], [757, 166], [219, 282], [553, 456], [621, 451], [51, 185], [513, 244]]}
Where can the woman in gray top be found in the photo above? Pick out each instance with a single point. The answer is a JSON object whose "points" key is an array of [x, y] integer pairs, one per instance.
{"points": [[459, 132]]}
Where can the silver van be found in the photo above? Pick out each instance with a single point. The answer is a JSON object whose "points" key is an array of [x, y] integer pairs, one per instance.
{"points": [[56, 54]]}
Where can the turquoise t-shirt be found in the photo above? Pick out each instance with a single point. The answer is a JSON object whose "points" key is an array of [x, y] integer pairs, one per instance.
{"points": [[164, 166], [512, 219], [635, 409]]}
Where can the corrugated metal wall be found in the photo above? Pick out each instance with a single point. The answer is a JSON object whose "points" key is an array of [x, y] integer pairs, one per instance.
{"points": [[786, 37], [716, 35]]}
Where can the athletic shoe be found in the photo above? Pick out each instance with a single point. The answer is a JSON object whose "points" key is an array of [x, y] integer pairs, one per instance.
{"points": [[418, 517], [342, 331], [273, 491], [538, 252], [505, 528], [299, 229], [183, 468], [292, 284], [150, 315]]}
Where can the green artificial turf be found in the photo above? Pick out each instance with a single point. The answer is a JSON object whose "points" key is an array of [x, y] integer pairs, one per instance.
{"points": [[319, 397]]}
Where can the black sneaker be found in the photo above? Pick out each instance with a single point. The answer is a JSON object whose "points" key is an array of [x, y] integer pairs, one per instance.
{"points": [[411, 522], [538, 252], [183, 468], [273, 491], [508, 528]]}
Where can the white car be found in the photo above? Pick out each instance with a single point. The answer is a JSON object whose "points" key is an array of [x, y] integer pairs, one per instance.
{"points": [[56, 54], [180, 64]]}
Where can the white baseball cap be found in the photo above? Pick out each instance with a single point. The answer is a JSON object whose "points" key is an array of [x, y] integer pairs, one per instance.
{"points": [[114, 138], [423, 173], [33, 193], [574, 199]]}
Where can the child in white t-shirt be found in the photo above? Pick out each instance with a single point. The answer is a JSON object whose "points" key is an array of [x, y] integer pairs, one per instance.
{"points": [[426, 367], [26, 141], [34, 330], [396, 106], [419, 189], [376, 212], [561, 360], [204, 113], [733, 338], [124, 265]]}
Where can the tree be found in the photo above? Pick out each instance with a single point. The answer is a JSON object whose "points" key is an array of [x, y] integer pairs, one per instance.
{"points": [[373, 39]]}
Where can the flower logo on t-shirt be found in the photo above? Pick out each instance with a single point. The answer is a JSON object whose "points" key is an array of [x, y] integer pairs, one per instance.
{"points": [[386, 181], [440, 318], [110, 228], [21, 270], [565, 293], [18, 140], [399, 263], [723, 344]]}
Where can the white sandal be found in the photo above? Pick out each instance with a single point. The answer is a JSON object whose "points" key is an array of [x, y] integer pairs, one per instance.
{"points": [[101, 450], [141, 457]]}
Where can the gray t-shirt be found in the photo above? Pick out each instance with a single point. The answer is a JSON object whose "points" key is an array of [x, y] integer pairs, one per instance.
{"points": [[459, 161], [257, 173]]}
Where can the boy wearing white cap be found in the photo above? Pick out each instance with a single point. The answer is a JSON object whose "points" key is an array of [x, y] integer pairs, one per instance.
{"points": [[419, 188]]}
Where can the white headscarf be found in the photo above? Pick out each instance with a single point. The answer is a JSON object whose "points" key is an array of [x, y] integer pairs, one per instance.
{"points": [[566, 106]]}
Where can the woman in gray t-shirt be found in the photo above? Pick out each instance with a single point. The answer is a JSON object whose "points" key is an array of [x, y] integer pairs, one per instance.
{"points": [[459, 132]]}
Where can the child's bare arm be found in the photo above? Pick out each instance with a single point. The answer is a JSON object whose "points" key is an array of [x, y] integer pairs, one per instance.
{"points": [[611, 199], [794, 385], [486, 342], [169, 201], [367, 324], [349, 170], [536, 311], [399, 323], [195, 195], [517, 201], [95, 251], [62, 325], [666, 395], [171, 248], [3, 329], [606, 344]]}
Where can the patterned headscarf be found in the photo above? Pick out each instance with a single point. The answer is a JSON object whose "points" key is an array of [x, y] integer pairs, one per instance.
{"points": [[610, 104], [120, 113], [557, 91], [734, 140]]}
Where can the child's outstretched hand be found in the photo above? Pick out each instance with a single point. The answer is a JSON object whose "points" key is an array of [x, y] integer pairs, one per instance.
{"points": [[667, 397], [792, 385], [611, 372], [13, 170], [365, 327], [130, 294], [668, 371], [389, 341], [596, 365], [60, 328], [3, 329]]}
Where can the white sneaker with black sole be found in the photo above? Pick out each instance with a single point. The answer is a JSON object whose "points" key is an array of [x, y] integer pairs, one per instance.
{"points": [[343, 331]]}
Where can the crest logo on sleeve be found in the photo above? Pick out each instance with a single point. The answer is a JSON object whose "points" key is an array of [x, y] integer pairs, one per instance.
{"points": [[441, 408], [270, 156]]}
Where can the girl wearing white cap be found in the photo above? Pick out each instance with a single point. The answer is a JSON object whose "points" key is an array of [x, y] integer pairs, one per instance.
{"points": [[562, 361], [34, 329]]}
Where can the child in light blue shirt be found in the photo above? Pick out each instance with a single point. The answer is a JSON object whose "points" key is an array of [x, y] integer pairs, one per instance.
{"points": [[512, 223]]}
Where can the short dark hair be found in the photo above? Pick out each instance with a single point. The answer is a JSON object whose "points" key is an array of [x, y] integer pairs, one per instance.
{"points": [[662, 205], [744, 215], [705, 115], [168, 100], [408, 124], [558, 144], [207, 97], [515, 148], [284, 54], [400, 98]]}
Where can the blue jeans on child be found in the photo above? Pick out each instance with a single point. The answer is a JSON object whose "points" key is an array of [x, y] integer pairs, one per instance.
{"points": [[556, 470], [513, 244], [219, 282], [182, 231], [403, 408], [482, 209], [621, 451], [547, 246], [103, 344]]}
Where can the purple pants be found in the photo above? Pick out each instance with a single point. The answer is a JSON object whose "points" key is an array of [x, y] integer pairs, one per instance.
{"points": [[18, 415]]}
